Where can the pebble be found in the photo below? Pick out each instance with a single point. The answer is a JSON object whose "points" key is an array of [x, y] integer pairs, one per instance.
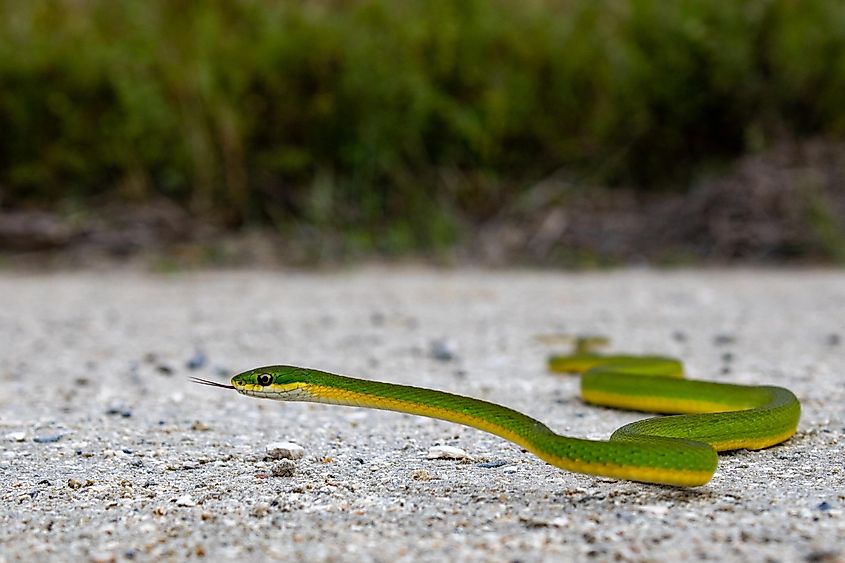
{"points": [[421, 475], [441, 351], [285, 450], [558, 522], [16, 436], [186, 501], [119, 408], [493, 464], [724, 339], [285, 468], [261, 509], [103, 557], [654, 509], [76, 483], [197, 361], [510, 469], [47, 439], [447, 452]]}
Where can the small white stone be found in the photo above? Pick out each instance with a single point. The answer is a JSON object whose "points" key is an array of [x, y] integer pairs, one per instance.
{"points": [[559, 522], [654, 509], [285, 468], [285, 450], [16, 436], [260, 509], [421, 475], [447, 452], [101, 557], [185, 501], [510, 469]]}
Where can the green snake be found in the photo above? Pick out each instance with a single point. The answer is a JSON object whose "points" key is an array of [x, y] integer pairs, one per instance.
{"points": [[673, 450]]}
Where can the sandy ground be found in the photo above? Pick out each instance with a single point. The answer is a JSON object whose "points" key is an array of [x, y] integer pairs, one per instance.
{"points": [[107, 452]]}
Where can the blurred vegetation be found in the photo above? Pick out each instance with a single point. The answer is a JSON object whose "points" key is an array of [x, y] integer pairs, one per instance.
{"points": [[397, 122]]}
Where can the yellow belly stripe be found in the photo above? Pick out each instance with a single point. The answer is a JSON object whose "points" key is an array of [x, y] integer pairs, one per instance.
{"points": [[664, 405], [741, 443]]}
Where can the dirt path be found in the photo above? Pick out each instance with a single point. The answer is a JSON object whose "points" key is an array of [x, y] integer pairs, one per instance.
{"points": [[107, 452]]}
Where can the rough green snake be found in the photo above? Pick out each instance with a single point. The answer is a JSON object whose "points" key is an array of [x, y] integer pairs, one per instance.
{"points": [[674, 450]]}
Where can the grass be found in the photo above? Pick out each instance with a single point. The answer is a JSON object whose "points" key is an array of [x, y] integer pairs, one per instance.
{"points": [[398, 124]]}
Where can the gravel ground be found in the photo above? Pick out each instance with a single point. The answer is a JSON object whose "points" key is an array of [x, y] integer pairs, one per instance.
{"points": [[107, 452]]}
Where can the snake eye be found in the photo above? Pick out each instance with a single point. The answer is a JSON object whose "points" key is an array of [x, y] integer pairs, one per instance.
{"points": [[264, 379]]}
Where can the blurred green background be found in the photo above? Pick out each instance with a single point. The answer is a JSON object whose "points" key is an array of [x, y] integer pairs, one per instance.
{"points": [[408, 127]]}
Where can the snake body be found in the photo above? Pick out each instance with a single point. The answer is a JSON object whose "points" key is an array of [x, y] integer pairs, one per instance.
{"points": [[674, 450]]}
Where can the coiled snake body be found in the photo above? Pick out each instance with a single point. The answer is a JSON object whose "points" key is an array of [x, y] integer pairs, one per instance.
{"points": [[676, 450]]}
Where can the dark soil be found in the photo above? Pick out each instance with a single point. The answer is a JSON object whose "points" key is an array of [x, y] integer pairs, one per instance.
{"points": [[787, 204], [783, 205]]}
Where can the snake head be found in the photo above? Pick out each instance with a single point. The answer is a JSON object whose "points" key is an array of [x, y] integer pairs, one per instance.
{"points": [[268, 380]]}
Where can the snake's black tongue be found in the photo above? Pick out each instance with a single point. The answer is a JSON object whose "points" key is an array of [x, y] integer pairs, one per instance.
{"points": [[210, 383]]}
